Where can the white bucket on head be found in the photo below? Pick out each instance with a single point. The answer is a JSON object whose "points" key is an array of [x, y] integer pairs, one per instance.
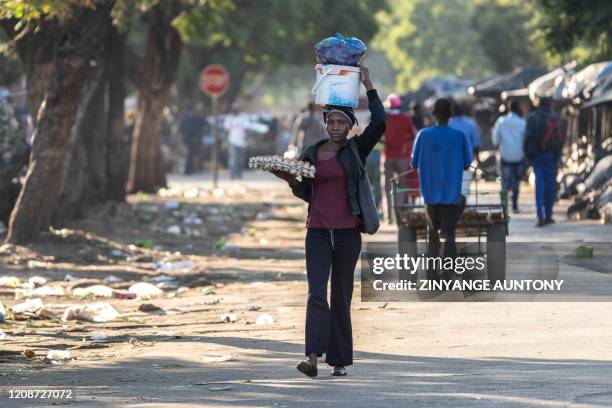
{"points": [[337, 85]]}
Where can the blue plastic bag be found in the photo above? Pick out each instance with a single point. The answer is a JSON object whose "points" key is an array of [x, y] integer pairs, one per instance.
{"points": [[339, 50]]}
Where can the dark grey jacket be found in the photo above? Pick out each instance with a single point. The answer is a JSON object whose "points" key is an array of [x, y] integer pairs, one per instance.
{"points": [[365, 144]]}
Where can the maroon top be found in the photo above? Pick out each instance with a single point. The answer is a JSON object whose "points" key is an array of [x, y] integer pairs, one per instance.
{"points": [[330, 206]]}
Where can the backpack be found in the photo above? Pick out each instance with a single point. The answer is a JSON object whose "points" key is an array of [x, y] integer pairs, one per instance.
{"points": [[551, 136]]}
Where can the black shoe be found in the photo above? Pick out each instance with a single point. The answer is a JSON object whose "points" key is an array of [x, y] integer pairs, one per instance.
{"points": [[516, 210], [549, 221], [540, 223], [339, 371], [307, 368]]}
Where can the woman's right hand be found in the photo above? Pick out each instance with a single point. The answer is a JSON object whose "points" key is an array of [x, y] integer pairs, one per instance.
{"points": [[284, 176]]}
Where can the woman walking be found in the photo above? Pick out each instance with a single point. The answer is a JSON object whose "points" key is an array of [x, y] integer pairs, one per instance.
{"points": [[333, 239]]}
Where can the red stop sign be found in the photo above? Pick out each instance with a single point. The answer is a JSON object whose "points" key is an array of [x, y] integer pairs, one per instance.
{"points": [[214, 80]]}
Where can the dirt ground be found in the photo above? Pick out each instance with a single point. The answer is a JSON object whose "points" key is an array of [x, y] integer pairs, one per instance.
{"points": [[228, 328]]}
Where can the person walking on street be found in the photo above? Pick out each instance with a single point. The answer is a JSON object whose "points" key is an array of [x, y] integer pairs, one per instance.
{"points": [[399, 138], [543, 144], [417, 115], [509, 137], [333, 238], [464, 123], [237, 124], [192, 128], [309, 129], [441, 154]]}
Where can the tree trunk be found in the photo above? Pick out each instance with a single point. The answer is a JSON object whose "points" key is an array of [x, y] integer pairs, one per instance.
{"points": [[116, 179], [53, 139], [87, 170], [158, 73]]}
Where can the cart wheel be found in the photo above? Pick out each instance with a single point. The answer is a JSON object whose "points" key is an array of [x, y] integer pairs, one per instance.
{"points": [[496, 252], [406, 244]]}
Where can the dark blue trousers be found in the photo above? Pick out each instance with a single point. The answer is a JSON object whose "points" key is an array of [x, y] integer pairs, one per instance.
{"points": [[545, 170], [511, 179], [328, 326]]}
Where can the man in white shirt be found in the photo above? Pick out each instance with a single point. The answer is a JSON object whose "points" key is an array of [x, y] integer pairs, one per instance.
{"points": [[509, 136], [236, 125]]}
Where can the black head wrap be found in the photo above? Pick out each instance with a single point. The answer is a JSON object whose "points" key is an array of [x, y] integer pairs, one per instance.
{"points": [[348, 111]]}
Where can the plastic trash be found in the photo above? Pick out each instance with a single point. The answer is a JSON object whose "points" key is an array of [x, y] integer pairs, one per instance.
{"points": [[94, 290], [30, 305], [2, 335], [174, 230], [70, 278], [119, 254], [36, 281], [163, 278], [99, 312], [220, 359], [264, 319], [147, 244], [123, 294], [46, 314], [58, 355], [221, 388], [10, 281], [145, 290], [32, 264], [113, 279], [2, 312], [219, 244], [172, 205], [193, 219], [339, 50], [46, 291], [151, 308], [229, 317], [231, 248], [172, 266], [97, 336]]}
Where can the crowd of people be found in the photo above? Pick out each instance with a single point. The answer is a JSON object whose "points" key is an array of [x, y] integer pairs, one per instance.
{"points": [[535, 141]]}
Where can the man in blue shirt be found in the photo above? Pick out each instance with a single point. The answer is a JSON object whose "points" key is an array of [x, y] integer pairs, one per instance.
{"points": [[462, 122], [441, 154]]}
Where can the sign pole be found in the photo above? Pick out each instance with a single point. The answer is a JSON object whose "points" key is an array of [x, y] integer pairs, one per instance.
{"points": [[215, 152], [214, 80]]}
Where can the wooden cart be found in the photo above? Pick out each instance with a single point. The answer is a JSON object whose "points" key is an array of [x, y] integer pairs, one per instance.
{"points": [[485, 218]]}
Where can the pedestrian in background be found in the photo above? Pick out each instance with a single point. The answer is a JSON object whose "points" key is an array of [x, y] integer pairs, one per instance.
{"points": [[308, 130], [417, 115], [192, 127], [441, 154], [543, 144], [235, 126], [398, 139], [509, 137], [464, 123]]}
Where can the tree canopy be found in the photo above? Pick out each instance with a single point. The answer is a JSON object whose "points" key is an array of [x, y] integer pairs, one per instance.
{"points": [[474, 38]]}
